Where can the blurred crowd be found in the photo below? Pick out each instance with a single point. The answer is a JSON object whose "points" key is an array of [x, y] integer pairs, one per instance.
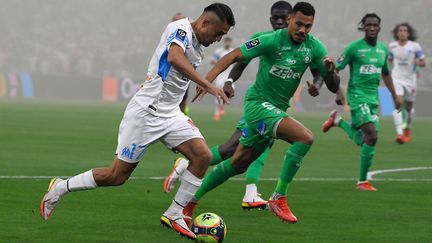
{"points": [[106, 37]]}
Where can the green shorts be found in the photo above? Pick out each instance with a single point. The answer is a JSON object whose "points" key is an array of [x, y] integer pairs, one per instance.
{"points": [[260, 118], [364, 113]]}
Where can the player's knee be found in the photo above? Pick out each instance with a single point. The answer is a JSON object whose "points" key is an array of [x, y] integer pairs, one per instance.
{"points": [[204, 158], [308, 139], [371, 139]]}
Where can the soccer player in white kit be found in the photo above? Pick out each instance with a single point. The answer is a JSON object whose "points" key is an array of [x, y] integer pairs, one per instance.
{"points": [[221, 78], [405, 54], [153, 114]]}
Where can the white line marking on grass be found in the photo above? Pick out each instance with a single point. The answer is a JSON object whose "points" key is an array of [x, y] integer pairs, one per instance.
{"points": [[234, 179], [371, 174]]}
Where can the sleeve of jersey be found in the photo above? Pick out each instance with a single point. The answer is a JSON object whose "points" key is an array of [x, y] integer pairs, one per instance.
{"points": [[247, 61], [419, 54], [179, 35], [320, 54], [344, 59], [257, 46], [385, 68]]}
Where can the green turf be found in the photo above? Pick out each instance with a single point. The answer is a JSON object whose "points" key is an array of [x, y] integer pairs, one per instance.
{"points": [[44, 139]]}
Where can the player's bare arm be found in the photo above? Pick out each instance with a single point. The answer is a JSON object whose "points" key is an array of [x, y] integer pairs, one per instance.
{"points": [[230, 58], [313, 89], [340, 97], [388, 81], [233, 76], [179, 61]]}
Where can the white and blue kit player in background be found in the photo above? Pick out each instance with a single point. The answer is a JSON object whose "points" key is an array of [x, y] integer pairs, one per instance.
{"points": [[222, 77], [405, 54], [153, 114]]}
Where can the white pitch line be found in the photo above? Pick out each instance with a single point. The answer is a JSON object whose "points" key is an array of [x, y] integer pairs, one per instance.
{"points": [[234, 179], [371, 174]]}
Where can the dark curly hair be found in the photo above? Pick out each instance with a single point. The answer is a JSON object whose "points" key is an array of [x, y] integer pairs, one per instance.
{"points": [[363, 20], [412, 32]]}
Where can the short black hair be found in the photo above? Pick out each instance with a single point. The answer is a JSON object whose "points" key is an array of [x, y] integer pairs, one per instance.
{"points": [[223, 11], [363, 20], [281, 5], [305, 8], [412, 32]]}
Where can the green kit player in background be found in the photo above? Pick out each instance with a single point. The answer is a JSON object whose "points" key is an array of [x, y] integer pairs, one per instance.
{"points": [[284, 56], [368, 62], [252, 199]]}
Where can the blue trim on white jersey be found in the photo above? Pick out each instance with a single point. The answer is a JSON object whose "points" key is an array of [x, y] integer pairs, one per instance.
{"points": [[164, 65], [419, 54]]}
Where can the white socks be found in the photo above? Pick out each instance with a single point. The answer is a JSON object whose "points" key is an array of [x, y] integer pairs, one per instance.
{"points": [[251, 191], [189, 185], [83, 181], [397, 118]]}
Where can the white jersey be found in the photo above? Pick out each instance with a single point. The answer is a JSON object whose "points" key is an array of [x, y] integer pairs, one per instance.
{"points": [[404, 68], [222, 77], [164, 87]]}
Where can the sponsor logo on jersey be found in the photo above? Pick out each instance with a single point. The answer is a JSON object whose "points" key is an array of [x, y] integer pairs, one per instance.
{"points": [[373, 59], [307, 59], [252, 43], [364, 50], [304, 49], [284, 72], [181, 34], [369, 69], [291, 61]]}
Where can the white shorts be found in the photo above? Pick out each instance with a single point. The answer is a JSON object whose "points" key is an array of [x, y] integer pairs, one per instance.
{"points": [[138, 129], [407, 91]]}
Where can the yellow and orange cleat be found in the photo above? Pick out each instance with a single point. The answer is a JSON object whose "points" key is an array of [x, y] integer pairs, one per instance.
{"points": [[180, 165], [50, 199], [255, 202], [178, 225]]}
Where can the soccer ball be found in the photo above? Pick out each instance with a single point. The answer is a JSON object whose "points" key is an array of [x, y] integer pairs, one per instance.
{"points": [[209, 227]]}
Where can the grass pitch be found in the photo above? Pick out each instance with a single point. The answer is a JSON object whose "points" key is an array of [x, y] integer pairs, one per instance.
{"points": [[47, 139]]}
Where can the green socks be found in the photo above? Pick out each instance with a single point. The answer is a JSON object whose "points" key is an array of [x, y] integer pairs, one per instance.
{"points": [[254, 171], [216, 155], [354, 134], [292, 162], [367, 153], [221, 173]]}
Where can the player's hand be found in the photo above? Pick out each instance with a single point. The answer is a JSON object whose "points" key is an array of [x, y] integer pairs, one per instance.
{"points": [[330, 64], [200, 92], [397, 103], [219, 94], [313, 89], [228, 89]]}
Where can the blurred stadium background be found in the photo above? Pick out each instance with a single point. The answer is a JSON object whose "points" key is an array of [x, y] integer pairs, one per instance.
{"points": [[67, 68], [99, 50]]}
